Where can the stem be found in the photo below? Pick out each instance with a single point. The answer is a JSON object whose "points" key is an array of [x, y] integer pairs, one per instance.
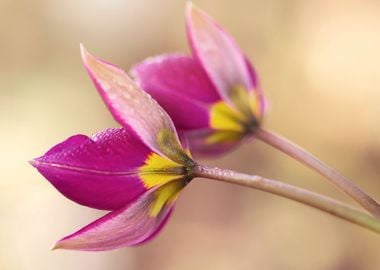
{"points": [[309, 160], [304, 196]]}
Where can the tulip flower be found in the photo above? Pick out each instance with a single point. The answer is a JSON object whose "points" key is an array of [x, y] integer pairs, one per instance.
{"points": [[213, 97], [138, 171]]}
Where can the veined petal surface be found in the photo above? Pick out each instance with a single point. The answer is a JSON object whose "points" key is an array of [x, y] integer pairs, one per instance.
{"points": [[99, 172], [134, 108], [218, 53], [129, 226]]}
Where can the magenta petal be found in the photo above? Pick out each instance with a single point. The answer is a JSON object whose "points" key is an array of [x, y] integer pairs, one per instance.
{"points": [[130, 106], [185, 113], [218, 53], [98, 172], [180, 86], [175, 74], [200, 147], [129, 226]]}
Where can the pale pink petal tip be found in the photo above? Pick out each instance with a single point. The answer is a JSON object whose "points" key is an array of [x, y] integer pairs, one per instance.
{"points": [[84, 54], [219, 54], [132, 225], [133, 108], [189, 5], [56, 246]]}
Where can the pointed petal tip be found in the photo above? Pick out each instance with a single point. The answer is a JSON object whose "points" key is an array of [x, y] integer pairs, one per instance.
{"points": [[83, 50], [55, 247], [35, 162], [58, 245], [62, 244], [85, 55], [189, 6], [32, 162], [90, 61], [193, 11]]}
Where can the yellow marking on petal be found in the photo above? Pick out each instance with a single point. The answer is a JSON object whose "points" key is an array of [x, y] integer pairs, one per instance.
{"points": [[159, 170], [166, 194], [187, 151], [240, 97], [255, 105], [223, 136], [247, 102], [246, 109], [171, 147], [223, 117]]}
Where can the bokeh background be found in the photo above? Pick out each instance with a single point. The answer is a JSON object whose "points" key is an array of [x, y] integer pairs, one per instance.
{"points": [[319, 66]]}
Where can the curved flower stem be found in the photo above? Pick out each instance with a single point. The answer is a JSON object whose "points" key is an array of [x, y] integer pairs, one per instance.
{"points": [[304, 196], [309, 160]]}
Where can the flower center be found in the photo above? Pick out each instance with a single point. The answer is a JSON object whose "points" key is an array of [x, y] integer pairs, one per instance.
{"points": [[159, 170]]}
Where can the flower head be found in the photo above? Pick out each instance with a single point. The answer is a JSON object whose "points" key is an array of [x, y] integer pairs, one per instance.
{"points": [[136, 171], [213, 97]]}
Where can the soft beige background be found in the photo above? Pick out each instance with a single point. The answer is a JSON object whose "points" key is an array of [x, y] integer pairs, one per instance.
{"points": [[319, 65]]}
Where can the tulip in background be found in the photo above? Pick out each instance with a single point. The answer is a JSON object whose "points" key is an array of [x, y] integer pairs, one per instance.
{"points": [[217, 88], [138, 171], [215, 100]]}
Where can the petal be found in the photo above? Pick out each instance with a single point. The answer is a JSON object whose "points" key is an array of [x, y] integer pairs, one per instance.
{"points": [[133, 108], [262, 102], [208, 142], [218, 53], [175, 74], [186, 113], [180, 86], [99, 172], [132, 225]]}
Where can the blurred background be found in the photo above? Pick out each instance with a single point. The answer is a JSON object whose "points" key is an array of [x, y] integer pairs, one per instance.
{"points": [[318, 63]]}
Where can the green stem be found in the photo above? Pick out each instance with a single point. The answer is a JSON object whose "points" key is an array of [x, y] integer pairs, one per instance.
{"points": [[309, 160], [312, 199]]}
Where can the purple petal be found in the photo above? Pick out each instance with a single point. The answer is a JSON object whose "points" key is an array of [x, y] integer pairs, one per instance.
{"points": [[180, 86], [175, 74], [207, 142], [133, 108], [98, 172], [218, 53], [129, 226], [186, 113]]}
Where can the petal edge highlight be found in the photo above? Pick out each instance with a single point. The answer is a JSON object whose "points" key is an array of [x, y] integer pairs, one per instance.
{"points": [[134, 224], [130, 106], [220, 56]]}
